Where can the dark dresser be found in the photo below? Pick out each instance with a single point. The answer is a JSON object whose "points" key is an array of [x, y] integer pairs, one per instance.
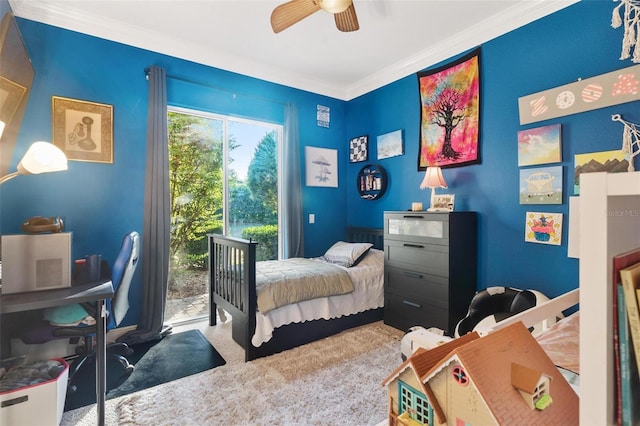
{"points": [[430, 269]]}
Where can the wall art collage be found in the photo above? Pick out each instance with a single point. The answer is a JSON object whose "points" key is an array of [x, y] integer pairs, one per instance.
{"points": [[542, 145]]}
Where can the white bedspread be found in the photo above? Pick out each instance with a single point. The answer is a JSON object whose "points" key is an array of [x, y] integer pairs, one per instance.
{"points": [[368, 282]]}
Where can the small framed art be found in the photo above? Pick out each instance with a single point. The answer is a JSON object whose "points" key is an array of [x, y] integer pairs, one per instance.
{"points": [[390, 145], [83, 130], [442, 203], [321, 166], [359, 149], [543, 228]]}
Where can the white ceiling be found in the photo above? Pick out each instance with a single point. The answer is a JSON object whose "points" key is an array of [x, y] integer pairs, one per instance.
{"points": [[396, 37]]}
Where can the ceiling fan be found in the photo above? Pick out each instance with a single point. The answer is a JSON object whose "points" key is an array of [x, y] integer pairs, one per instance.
{"points": [[295, 11]]}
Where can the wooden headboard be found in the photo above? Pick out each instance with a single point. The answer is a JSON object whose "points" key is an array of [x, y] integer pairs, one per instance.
{"points": [[374, 236]]}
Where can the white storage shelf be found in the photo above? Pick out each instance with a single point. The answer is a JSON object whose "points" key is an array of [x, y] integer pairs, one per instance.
{"points": [[609, 225]]}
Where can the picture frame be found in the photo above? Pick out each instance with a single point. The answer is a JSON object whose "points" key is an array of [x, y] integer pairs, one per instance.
{"points": [[390, 145], [450, 113], [11, 94], [540, 145], [442, 203], [83, 130], [543, 228], [614, 161], [321, 166], [359, 149], [541, 185]]}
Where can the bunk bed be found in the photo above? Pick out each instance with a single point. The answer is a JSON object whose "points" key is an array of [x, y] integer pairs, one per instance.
{"points": [[232, 287]]}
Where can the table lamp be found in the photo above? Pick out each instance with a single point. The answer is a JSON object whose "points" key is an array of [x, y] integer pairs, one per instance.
{"points": [[433, 179], [41, 157]]}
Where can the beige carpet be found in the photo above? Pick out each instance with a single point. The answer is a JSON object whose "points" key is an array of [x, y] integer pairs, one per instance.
{"points": [[333, 381]]}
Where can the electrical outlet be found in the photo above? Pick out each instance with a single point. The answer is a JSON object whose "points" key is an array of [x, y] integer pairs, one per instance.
{"points": [[312, 218]]}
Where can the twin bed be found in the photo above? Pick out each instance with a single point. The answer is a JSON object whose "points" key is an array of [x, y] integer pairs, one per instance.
{"points": [[264, 324]]}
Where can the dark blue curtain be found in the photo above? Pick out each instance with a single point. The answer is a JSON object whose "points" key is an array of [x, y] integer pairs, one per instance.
{"points": [[155, 235]]}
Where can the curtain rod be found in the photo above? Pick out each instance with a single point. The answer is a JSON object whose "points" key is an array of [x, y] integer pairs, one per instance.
{"points": [[211, 86]]}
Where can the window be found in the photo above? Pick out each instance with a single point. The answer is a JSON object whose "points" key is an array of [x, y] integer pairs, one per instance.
{"points": [[223, 178], [460, 376], [415, 404]]}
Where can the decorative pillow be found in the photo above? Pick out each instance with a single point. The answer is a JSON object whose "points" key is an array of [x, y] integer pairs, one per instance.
{"points": [[346, 254]]}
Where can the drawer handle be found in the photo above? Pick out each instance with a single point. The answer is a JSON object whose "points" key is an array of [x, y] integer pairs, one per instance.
{"points": [[414, 245], [412, 304], [413, 274], [412, 216]]}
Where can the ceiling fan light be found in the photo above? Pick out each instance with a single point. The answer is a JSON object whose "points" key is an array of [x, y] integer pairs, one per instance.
{"points": [[335, 6]]}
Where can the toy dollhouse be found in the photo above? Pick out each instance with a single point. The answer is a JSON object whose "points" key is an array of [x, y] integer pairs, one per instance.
{"points": [[502, 378]]}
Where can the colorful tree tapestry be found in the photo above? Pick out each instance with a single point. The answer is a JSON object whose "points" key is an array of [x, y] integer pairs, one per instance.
{"points": [[450, 113]]}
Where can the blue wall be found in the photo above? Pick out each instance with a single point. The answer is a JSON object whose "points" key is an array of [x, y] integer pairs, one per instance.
{"points": [[101, 202], [550, 52]]}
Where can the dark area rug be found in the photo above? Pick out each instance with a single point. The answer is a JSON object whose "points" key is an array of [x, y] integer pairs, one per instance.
{"points": [[175, 356]]}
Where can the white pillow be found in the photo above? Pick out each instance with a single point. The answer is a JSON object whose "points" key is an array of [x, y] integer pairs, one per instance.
{"points": [[346, 254]]}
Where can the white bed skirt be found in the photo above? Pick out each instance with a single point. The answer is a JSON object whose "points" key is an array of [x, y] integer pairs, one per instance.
{"points": [[368, 282]]}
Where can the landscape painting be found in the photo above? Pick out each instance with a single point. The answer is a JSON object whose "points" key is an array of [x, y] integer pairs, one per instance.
{"points": [[541, 185], [390, 145], [604, 161]]}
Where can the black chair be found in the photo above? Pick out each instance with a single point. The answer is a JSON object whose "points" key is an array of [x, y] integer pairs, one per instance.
{"points": [[494, 304], [121, 275]]}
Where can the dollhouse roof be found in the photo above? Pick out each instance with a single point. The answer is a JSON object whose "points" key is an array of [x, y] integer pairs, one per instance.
{"points": [[487, 362], [524, 378], [422, 360]]}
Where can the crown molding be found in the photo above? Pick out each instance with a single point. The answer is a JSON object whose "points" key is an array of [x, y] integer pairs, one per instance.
{"points": [[522, 13]]}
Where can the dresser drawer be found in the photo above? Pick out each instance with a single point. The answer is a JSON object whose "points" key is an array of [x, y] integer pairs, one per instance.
{"points": [[426, 228], [402, 313], [422, 257], [417, 286]]}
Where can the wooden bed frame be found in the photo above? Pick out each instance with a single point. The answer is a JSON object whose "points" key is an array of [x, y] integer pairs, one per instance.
{"points": [[232, 286]]}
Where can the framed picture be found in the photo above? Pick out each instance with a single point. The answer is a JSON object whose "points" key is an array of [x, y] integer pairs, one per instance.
{"points": [[11, 94], [321, 166], [390, 145], [615, 161], [539, 146], [442, 203], [83, 130], [543, 228], [541, 185], [450, 113], [358, 149]]}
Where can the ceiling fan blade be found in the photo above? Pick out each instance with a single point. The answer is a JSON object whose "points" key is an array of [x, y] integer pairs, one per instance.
{"points": [[291, 12], [347, 21]]}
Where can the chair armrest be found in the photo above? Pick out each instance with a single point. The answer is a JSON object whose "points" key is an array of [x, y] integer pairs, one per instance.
{"points": [[74, 331]]}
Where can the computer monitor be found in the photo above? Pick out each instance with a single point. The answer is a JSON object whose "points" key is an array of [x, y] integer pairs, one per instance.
{"points": [[35, 262]]}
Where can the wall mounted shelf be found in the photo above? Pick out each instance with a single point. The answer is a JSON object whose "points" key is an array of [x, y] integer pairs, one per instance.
{"points": [[371, 182]]}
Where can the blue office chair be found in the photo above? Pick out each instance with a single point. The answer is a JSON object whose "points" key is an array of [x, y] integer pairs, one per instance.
{"points": [[121, 275]]}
